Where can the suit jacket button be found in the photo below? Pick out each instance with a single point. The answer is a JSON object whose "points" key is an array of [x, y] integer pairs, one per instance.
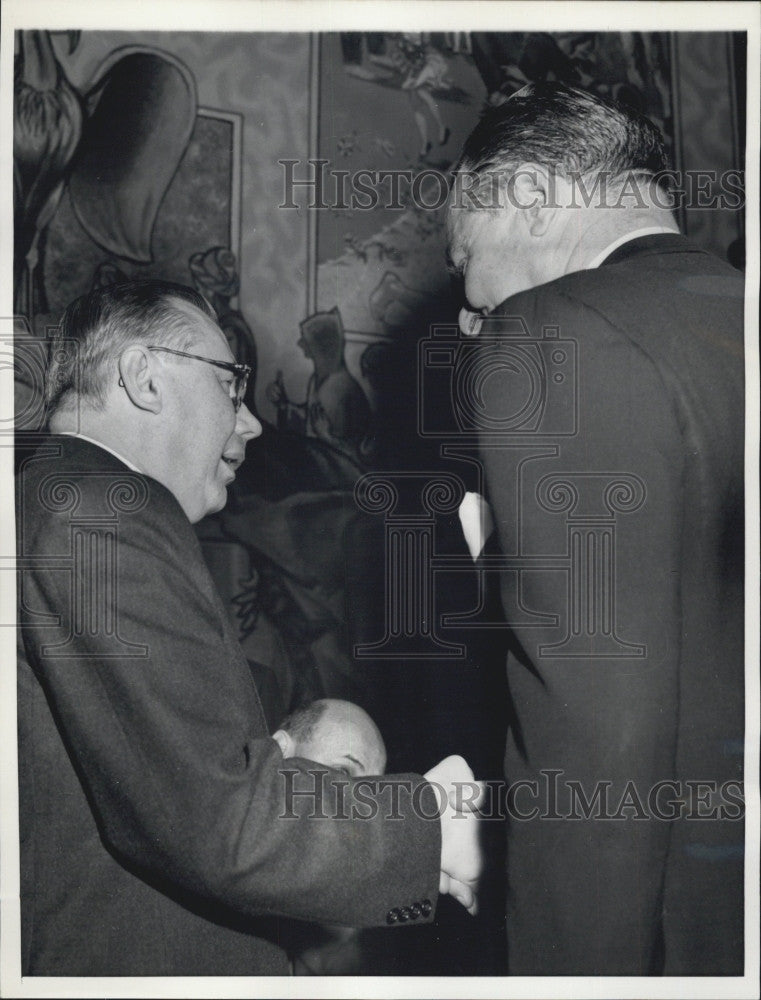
{"points": [[426, 906], [415, 911], [404, 914], [392, 916]]}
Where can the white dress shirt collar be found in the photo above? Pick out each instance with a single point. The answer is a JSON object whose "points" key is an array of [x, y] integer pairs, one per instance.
{"points": [[626, 238], [99, 444]]}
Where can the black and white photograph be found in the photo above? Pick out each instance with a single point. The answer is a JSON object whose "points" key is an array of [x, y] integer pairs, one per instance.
{"points": [[379, 421]]}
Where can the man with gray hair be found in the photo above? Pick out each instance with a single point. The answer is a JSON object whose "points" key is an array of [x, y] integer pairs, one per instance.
{"points": [[609, 409], [159, 832]]}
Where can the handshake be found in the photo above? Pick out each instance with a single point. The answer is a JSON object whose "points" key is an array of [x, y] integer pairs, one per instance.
{"points": [[461, 859]]}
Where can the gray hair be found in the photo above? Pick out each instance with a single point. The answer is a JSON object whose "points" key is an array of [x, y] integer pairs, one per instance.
{"points": [[565, 129], [102, 323]]}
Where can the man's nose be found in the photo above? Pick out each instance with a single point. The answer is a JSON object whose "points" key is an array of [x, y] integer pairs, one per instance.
{"points": [[246, 424]]}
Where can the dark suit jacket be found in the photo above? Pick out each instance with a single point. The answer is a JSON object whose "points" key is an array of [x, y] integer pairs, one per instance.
{"points": [[621, 504], [155, 837]]}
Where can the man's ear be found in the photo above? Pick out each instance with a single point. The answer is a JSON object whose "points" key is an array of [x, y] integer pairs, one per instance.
{"points": [[532, 189], [137, 376], [285, 741]]}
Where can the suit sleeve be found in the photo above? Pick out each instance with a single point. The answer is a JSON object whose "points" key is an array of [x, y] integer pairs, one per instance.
{"points": [[599, 509], [172, 751]]}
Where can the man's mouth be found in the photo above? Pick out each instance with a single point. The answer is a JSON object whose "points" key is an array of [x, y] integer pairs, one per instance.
{"points": [[232, 462]]}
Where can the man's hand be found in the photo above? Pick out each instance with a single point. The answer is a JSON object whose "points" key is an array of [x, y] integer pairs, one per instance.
{"points": [[459, 796]]}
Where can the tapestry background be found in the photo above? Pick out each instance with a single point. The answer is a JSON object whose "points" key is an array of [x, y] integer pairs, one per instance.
{"points": [[162, 157]]}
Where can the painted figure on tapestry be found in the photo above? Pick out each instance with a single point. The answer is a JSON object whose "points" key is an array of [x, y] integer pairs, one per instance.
{"points": [[336, 409]]}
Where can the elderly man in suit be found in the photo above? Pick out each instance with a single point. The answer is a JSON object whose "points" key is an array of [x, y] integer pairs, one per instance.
{"points": [[161, 832], [609, 413]]}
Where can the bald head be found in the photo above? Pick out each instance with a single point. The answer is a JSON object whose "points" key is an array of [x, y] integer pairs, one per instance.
{"points": [[338, 734]]}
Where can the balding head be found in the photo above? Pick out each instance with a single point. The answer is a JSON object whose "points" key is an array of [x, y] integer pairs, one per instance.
{"points": [[338, 734]]}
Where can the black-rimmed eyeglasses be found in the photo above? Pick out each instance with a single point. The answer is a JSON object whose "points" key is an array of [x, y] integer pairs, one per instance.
{"points": [[239, 372]]}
